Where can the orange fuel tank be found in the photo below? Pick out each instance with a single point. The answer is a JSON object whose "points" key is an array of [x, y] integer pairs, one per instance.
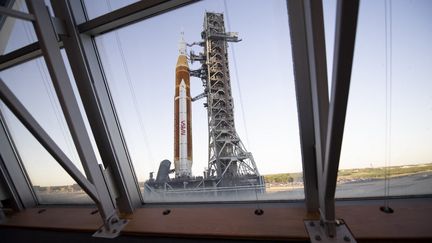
{"points": [[182, 116]]}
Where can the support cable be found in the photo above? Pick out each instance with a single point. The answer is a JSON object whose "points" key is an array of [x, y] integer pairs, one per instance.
{"points": [[51, 97], [132, 91], [259, 211], [237, 78], [388, 119]]}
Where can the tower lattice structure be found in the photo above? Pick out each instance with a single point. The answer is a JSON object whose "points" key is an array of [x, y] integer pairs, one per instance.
{"points": [[228, 157]]}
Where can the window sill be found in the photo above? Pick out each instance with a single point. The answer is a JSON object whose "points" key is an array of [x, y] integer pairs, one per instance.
{"points": [[409, 222]]}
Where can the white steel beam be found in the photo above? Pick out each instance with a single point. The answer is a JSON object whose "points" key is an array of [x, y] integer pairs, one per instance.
{"points": [[304, 101], [346, 27], [63, 87], [96, 98], [314, 24], [327, 119]]}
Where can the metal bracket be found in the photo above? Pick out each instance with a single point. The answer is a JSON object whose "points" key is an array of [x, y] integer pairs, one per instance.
{"points": [[111, 228], [59, 27], [317, 233], [193, 57]]}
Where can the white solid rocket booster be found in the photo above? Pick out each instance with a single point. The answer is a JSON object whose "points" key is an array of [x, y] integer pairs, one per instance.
{"points": [[183, 131]]}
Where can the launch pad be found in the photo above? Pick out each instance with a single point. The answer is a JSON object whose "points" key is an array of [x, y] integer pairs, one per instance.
{"points": [[205, 189], [231, 169]]}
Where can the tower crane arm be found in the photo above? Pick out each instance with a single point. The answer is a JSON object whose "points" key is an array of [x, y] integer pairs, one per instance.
{"points": [[200, 96]]}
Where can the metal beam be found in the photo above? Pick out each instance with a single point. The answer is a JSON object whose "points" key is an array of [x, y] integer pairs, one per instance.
{"points": [[63, 87], [309, 57], [24, 54], [8, 4], [107, 22], [129, 15], [12, 102], [302, 77], [16, 14], [7, 25], [314, 23], [315, 41], [346, 27], [96, 98], [13, 171]]}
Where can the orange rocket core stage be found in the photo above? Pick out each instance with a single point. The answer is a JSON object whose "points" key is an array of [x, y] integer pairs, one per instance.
{"points": [[182, 119]]}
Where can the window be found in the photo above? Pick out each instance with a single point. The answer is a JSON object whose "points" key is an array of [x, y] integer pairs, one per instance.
{"points": [[98, 8], [31, 83], [388, 127], [139, 62], [16, 33], [244, 144]]}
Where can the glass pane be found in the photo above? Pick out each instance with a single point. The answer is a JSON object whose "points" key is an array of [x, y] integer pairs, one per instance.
{"points": [[329, 10], [388, 131], [31, 83], [140, 65], [97, 8], [16, 33]]}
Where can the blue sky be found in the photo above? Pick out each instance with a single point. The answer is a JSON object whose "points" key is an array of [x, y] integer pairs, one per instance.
{"points": [[265, 78]]}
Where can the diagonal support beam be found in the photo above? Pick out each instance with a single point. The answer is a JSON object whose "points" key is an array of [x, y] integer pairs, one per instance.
{"points": [[346, 28], [12, 102], [302, 77], [322, 122], [96, 98], [65, 93]]}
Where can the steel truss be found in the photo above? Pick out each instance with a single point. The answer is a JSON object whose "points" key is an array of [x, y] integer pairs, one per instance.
{"points": [[228, 157]]}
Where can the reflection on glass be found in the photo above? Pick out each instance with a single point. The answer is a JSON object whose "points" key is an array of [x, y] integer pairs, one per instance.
{"points": [[390, 104], [31, 83], [97, 8], [16, 33], [140, 64]]}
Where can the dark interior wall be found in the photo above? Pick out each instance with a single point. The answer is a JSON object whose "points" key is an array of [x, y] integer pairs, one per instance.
{"points": [[18, 235]]}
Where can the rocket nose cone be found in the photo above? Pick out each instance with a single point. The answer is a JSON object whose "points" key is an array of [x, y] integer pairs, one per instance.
{"points": [[182, 44]]}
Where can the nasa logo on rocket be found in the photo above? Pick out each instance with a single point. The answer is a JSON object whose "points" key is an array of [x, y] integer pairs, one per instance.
{"points": [[183, 127]]}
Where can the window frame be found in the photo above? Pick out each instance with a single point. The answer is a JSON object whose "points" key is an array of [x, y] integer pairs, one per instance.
{"points": [[316, 113]]}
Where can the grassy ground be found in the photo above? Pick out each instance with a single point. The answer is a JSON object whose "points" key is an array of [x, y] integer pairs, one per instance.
{"points": [[379, 173], [353, 174]]}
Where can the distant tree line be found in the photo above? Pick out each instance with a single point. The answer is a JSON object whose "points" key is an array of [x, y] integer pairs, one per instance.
{"points": [[281, 178]]}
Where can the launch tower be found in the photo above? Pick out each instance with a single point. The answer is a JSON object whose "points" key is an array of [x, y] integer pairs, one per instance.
{"points": [[228, 158], [231, 171]]}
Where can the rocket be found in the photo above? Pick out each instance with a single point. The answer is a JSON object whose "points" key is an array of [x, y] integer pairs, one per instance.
{"points": [[182, 116]]}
